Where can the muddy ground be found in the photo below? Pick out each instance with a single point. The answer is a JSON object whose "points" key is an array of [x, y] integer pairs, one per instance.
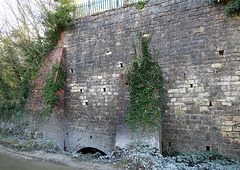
{"points": [[55, 158]]}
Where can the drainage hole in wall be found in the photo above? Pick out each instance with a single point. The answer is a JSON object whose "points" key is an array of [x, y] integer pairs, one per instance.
{"points": [[169, 144], [104, 89], [121, 64], [86, 103], [90, 137], [208, 148], [126, 83], [191, 85], [90, 150], [210, 103], [108, 52], [81, 90], [71, 70], [67, 133], [221, 52]]}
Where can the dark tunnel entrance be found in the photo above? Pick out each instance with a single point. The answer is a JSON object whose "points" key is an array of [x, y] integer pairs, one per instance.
{"points": [[91, 150]]}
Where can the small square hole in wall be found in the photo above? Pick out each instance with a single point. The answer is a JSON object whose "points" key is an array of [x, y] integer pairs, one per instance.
{"points": [[104, 89], [221, 52], [191, 85], [108, 52], [90, 137], [81, 90], [169, 144], [86, 103], [121, 64], [210, 103], [71, 70], [208, 148]]}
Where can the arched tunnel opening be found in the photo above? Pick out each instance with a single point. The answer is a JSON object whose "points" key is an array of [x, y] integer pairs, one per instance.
{"points": [[90, 150]]}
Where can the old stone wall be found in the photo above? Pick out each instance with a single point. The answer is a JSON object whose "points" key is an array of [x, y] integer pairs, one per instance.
{"points": [[198, 49]]}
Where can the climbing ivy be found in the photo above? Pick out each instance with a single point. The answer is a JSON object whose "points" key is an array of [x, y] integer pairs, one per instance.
{"points": [[52, 85], [140, 5], [232, 5], [145, 83]]}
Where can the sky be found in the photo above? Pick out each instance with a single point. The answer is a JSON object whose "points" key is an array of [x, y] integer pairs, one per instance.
{"points": [[6, 14], [8, 17]]}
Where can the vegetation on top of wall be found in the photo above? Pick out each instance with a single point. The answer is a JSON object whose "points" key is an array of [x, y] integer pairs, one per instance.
{"points": [[140, 5], [145, 83], [232, 5], [58, 19]]}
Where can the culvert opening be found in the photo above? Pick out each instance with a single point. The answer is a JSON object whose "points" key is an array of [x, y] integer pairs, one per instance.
{"points": [[90, 150]]}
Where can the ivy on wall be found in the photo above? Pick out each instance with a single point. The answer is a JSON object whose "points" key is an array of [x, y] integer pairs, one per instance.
{"points": [[16, 75], [145, 83], [54, 82], [232, 5]]}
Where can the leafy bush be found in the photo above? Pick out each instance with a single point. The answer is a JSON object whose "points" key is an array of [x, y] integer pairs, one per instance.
{"points": [[55, 21], [24, 51], [232, 5]]}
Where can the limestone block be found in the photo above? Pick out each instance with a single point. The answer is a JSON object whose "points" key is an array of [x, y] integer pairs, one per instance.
{"points": [[226, 78], [227, 118], [199, 89], [173, 91], [182, 90], [227, 128], [229, 123], [231, 98], [235, 83], [236, 118], [187, 100], [237, 73], [224, 134], [223, 83], [202, 95], [234, 134], [199, 30], [236, 129], [235, 78], [226, 103], [203, 108], [217, 66], [178, 104]]}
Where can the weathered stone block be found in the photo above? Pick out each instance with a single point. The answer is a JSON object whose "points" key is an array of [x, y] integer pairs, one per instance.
{"points": [[227, 128], [234, 134], [229, 123], [226, 103], [173, 91]]}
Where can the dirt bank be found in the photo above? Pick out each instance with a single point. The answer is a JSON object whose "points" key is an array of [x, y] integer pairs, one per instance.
{"points": [[55, 158]]}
